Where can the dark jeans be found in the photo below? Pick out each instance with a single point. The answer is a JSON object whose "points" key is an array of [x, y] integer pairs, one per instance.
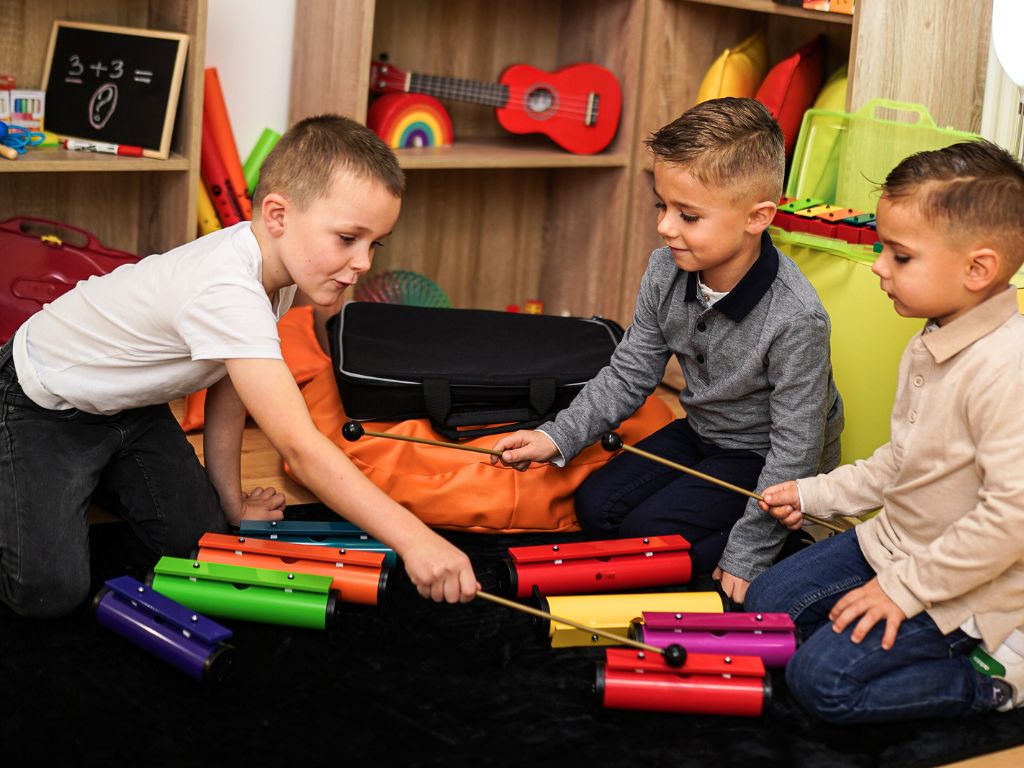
{"points": [[925, 674], [137, 462], [634, 496]]}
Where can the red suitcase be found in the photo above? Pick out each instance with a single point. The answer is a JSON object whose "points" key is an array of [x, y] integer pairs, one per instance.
{"points": [[41, 260]]}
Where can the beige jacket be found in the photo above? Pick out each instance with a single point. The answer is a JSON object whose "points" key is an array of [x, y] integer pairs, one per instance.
{"points": [[949, 538]]}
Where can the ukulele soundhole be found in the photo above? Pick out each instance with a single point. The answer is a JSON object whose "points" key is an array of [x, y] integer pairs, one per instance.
{"points": [[541, 103]]}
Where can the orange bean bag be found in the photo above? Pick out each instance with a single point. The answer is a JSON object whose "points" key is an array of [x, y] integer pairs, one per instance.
{"points": [[444, 487]]}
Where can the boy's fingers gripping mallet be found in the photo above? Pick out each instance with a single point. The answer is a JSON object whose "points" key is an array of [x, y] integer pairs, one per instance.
{"points": [[612, 442], [353, 430], [675, 655]]}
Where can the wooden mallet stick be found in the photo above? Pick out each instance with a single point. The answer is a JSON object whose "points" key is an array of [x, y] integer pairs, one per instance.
{"points": [[675, 655], [612, 442], [353, 430]]}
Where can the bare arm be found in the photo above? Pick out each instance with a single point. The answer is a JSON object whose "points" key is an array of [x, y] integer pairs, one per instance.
{"points": [[268, 391], [224, 423]]}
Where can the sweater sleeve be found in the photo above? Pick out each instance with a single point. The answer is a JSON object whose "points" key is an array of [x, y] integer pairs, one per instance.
{"points": [[985, 541], [798, 372], [618, 389]]}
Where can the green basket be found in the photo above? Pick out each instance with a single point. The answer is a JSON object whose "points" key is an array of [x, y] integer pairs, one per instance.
{"points": [[868, 337], [842, 158]]}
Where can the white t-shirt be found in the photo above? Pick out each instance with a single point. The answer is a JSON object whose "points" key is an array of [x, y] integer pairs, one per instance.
{"points": [[154, 331]]}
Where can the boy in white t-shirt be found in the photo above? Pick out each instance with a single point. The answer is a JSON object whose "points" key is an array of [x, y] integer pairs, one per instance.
{"points": [[85, 382]]}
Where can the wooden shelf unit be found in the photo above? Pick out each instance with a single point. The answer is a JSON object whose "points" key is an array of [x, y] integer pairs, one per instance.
{"points": [[139, 205], [497, 219]]}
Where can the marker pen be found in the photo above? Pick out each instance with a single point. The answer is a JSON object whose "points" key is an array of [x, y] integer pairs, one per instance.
{"points": [[107, 149]]}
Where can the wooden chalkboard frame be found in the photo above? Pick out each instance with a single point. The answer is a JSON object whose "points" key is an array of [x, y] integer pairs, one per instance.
{"points": [[53, 107]]}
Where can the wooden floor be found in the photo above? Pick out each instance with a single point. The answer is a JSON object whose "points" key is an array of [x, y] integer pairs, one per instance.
{"points": [[261, 466]]}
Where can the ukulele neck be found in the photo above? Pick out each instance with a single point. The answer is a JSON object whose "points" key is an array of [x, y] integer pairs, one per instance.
{"points": [[491, 94]]}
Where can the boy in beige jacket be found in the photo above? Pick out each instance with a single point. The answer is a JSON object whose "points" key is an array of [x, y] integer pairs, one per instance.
{"points": [[891, 610]]}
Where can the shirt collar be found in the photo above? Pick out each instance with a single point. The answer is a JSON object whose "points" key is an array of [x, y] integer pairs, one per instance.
{"points": [[967, 329], [751, 287]]}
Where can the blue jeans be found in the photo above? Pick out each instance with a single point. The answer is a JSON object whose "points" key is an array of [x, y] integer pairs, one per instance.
{"points": [[137, 463], [634, 496], [925, 674]]}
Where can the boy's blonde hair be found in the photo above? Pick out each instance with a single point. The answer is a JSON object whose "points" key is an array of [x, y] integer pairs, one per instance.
{"points": [[974, 189], [301, 165], [731, 143]]}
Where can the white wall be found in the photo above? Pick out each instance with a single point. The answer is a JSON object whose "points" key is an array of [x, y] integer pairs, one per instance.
{"points": [[250, 44]]}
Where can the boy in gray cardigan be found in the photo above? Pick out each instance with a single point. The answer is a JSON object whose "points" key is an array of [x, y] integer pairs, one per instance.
{"points": [[752, 339]]}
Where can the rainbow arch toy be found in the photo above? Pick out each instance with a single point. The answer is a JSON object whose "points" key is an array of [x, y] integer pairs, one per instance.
{"points": [[408, 120]]}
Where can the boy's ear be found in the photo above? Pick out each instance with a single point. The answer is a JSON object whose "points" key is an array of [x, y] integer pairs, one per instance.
{"points": [[983, 267], [273, 211], [760, 216]]}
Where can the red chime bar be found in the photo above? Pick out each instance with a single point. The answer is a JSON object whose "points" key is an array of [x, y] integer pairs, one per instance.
{"points": [[706, 684], [596, 566]]}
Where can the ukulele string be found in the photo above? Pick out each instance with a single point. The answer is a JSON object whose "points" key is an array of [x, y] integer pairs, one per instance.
{"points": [[473, 91]]}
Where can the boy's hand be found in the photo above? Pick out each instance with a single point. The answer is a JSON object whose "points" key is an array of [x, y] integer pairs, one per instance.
{"points": [[782, 502], [872, 605], [440, 571], [734, 587], [524, 446], [261, 504]]}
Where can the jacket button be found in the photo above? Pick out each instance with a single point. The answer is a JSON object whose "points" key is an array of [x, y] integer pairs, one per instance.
{"points": [[702, 326], [700, 359]]}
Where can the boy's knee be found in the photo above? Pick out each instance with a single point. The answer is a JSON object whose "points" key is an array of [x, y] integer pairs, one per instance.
{"points": [[821, 689], [589, 505], [762, 598], [50, 596]]}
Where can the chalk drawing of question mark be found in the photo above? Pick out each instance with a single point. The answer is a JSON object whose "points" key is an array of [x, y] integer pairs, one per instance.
{"points": [[102, 105]]}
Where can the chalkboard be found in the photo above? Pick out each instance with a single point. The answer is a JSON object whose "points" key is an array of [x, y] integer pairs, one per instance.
{"points": [[114, 84]]}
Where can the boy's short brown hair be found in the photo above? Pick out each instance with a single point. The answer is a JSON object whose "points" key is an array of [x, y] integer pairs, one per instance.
{"points": [[731, 143], [301, 165], [975, 189]]}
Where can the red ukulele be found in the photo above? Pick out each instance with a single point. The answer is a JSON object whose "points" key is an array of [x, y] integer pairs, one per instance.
{"points": [[576, 106]]}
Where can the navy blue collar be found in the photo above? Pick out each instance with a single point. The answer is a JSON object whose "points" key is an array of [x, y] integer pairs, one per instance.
{"points": [[751, 287]]}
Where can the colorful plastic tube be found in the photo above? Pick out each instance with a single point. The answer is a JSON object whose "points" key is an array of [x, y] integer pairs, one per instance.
{"points": [[336, 533], [770, 636], [613, 613], [165, 628], [706, 684], [250, 594], [595, 566], [358, 576]]}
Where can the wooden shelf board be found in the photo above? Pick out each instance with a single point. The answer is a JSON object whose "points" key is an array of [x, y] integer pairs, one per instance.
{"points": [[502, 153], [777, 9], [57, 160]]}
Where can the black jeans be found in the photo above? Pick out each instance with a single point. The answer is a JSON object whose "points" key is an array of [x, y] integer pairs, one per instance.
{"points": [[138, 463], [634, 496]]}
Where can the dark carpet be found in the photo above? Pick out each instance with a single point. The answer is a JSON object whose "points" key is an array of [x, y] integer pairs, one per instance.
{"points": [[412, 683]]}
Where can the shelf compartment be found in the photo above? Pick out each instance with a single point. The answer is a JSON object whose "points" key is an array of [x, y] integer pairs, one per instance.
{"points": [[503, 153], [777, 9], [56, 160]]}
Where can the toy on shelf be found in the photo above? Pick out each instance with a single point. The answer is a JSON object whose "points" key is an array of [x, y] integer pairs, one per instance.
{"points": [[165, 628], [401, 286], [410, 120], [251, 170], [15, 140], [577, 106]]}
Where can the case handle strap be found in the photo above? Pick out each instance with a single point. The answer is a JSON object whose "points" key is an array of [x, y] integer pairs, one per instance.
{"points": [[437, 397]]}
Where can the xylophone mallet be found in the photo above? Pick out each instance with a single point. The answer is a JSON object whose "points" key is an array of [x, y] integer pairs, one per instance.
{"points": [[612, 442], [675, 655], [353, 430]]}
